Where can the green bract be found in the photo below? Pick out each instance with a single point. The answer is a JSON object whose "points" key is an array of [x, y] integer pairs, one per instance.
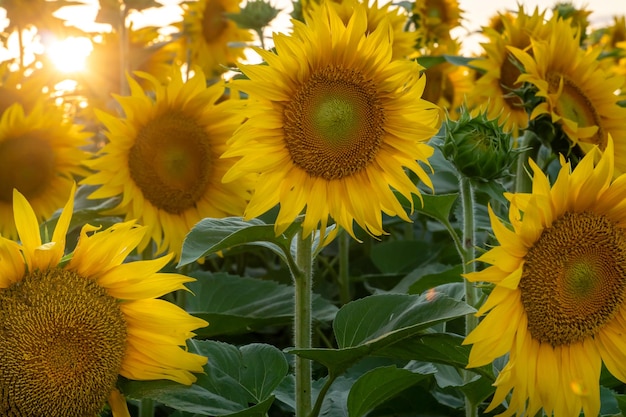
{"points": [[478, 147]]}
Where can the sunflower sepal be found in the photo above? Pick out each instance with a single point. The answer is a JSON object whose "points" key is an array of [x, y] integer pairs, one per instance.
{"points": [[478, 147]]}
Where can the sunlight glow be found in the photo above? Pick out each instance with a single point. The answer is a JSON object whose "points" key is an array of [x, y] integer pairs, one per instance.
{"points": [[69, 54]]}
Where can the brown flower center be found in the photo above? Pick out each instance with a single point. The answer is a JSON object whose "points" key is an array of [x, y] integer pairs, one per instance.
{"points": [[27, 163], [170, 162], [574, 278], [214, 21], [509, 72], [62, 342], [334, 125]]}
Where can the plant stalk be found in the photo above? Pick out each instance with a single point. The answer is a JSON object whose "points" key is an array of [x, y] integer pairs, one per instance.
{"points": [[471, 296], [344, 267], [146, 408], [303, 324]]}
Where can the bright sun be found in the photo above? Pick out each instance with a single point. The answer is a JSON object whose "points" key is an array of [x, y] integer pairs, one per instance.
{"points": [[69, 54]]}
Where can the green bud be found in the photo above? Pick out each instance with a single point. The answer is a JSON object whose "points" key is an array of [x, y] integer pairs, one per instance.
{"points": [[255, 15], [478, 147]]}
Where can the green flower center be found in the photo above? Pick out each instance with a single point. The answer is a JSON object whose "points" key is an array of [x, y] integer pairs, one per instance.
{"points": [[170, 162], [334, 125], [62, 341], [574, 278], [573, 104], [27, 163]]}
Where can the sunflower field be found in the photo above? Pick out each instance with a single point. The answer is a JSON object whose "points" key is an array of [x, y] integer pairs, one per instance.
{"points": [[351, 215]]}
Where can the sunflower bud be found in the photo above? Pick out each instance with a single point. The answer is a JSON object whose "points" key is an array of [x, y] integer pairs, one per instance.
{"points": [[478, 147], [255, 15]]}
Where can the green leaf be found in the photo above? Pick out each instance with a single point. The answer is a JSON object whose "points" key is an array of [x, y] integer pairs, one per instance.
{"points": [[264, 367], [438, 206], [367, 326], [392, 316], [377, 386], [236, 382], [235, 305], [214, 235], [398, 255]]}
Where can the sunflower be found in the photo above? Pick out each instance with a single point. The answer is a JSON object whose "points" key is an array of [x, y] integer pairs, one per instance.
{"points": [[163, 158], [494, 90], [579, 95], [207, 35], [403, 40], [435, 19], [69, 328], [558, 303], [332, 121], [40, 156]]}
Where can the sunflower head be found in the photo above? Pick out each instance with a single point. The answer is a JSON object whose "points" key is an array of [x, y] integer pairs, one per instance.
{"points": [[68, 329], [40, 155], [497, 89], [576, 93], [558, 302], [209, 38], [434, 19], [164, 158], [332, 122]]}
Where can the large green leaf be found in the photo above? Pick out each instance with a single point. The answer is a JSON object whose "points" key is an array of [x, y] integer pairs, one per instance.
{"points": [[214, 235], [238, 382], [379, 385], [392, 316], [235, 305], [367, 326]]}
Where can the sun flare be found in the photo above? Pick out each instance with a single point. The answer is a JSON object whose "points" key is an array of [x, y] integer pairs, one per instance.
{"points": [[68, 55]]}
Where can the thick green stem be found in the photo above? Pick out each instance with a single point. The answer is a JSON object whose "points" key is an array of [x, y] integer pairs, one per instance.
{"points": [[303, 282], [344, 267], [471, 296], [146, 408], [523, 178]]}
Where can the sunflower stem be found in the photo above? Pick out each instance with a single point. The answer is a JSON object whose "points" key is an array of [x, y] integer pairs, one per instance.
{"points": [[303, 282], [344, 267], [530, 145], [471, 296], [146, 408]]}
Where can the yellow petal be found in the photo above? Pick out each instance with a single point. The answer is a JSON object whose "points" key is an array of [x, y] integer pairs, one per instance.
{"points": [[27, 226], [118, 405]]}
